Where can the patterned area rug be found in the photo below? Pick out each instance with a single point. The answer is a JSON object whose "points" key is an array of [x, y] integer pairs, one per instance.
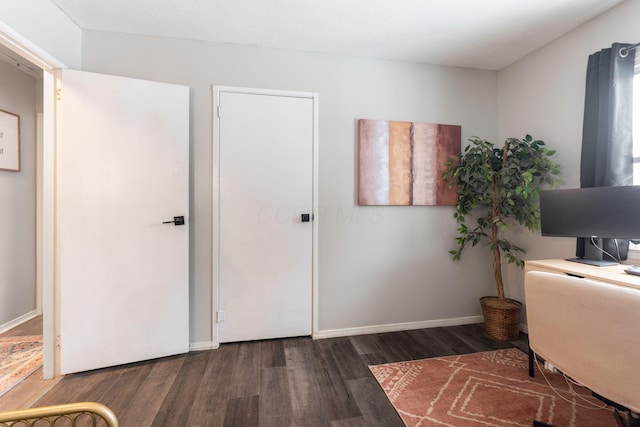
{"points": [[19, 358], [486, 389]]}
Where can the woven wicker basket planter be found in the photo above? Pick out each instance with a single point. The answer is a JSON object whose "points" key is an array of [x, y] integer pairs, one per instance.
{"points": [[501, 319]]}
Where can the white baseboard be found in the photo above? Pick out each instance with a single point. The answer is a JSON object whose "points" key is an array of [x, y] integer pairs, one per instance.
{"points": [[376, 329], [20, 320], [395, 327], [204, 345]]}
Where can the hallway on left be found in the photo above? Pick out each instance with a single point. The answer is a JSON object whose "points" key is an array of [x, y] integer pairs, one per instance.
{"points": [[31, 388]]}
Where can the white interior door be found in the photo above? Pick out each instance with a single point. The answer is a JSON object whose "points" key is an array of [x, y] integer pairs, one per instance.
{"points": [[265, 247], [123, 166]]}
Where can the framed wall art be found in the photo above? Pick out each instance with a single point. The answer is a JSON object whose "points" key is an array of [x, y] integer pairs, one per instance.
{"points": [[401, 163], [9, 141]]}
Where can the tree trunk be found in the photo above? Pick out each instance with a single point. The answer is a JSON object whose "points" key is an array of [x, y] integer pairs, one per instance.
{"points": [[497, 264], [496, 214]]}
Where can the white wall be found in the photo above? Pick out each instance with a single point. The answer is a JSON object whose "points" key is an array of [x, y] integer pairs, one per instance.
{"points": [[376, 265], [543, 94], [46, 26], [18, 93]]}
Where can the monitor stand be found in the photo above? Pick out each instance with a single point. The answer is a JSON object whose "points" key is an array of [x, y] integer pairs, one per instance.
{"points": [[592, 254], [597, 263]]}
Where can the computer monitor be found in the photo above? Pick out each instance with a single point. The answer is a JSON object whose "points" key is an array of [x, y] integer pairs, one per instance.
{"points": [[591, 213]]}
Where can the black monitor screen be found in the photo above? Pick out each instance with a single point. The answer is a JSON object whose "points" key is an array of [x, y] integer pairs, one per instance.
{"points": [[604, 212]]}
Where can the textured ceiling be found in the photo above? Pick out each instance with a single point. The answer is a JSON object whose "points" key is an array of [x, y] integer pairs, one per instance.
{"points": [[485, 34]]}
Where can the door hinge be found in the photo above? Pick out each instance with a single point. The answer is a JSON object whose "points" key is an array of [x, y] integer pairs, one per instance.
{"points": [[222, 316], [221, 112], [59, 94], [58, 342]]}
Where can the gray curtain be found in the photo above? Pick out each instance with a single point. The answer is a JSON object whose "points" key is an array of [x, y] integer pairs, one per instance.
{"points": [[607, 140]]}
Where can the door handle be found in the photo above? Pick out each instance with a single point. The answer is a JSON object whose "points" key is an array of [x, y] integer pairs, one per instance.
{"points": [[177, 220], [306, 217]]}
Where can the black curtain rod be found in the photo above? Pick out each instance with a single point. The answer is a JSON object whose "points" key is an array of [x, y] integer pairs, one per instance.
{"points": [[624, 51]]}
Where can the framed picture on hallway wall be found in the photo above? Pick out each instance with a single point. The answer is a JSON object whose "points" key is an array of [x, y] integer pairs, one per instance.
{"points": [[9, 141]]}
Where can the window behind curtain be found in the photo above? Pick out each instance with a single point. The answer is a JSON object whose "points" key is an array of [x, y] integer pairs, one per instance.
{"points": [[636, 122], [634, 250]]}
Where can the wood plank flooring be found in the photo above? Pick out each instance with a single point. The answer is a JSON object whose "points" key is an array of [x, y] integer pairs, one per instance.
{"points": [[284, 382]]}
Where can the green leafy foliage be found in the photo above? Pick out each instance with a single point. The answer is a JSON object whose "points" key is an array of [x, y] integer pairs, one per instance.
{"points": [[500, 187]]}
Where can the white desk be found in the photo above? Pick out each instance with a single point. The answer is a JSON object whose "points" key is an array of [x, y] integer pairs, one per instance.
{"points": [[614, 274], [584, 320]]}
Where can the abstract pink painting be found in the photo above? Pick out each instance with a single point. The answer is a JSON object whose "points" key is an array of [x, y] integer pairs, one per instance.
{"points": [[401, 163]]}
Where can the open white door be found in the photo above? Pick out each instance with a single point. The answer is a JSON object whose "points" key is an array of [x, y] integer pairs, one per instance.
{"points": [[122, 170]]}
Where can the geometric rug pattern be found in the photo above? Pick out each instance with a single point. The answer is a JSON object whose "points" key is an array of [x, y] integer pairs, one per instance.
{"points": [[487, 389], [19, 358]]}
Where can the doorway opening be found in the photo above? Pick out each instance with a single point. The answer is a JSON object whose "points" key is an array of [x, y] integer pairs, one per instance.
{"points": [[26, 52]]}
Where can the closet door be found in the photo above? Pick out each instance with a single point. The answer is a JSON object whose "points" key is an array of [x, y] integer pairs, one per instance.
{"points": [[265, 239]]}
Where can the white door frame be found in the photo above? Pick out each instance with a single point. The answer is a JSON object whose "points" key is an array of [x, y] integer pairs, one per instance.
{"points": [[215, 293], [45, 228]]}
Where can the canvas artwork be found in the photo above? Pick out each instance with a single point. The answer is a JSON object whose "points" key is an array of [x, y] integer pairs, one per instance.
{"points": [[401, 163]]}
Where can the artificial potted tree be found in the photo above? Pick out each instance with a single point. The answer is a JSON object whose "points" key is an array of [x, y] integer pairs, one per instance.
{"points": [[498, 188]]}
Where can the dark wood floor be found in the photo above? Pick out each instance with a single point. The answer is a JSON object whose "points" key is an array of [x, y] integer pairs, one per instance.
{"points": [[285, 382]]}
